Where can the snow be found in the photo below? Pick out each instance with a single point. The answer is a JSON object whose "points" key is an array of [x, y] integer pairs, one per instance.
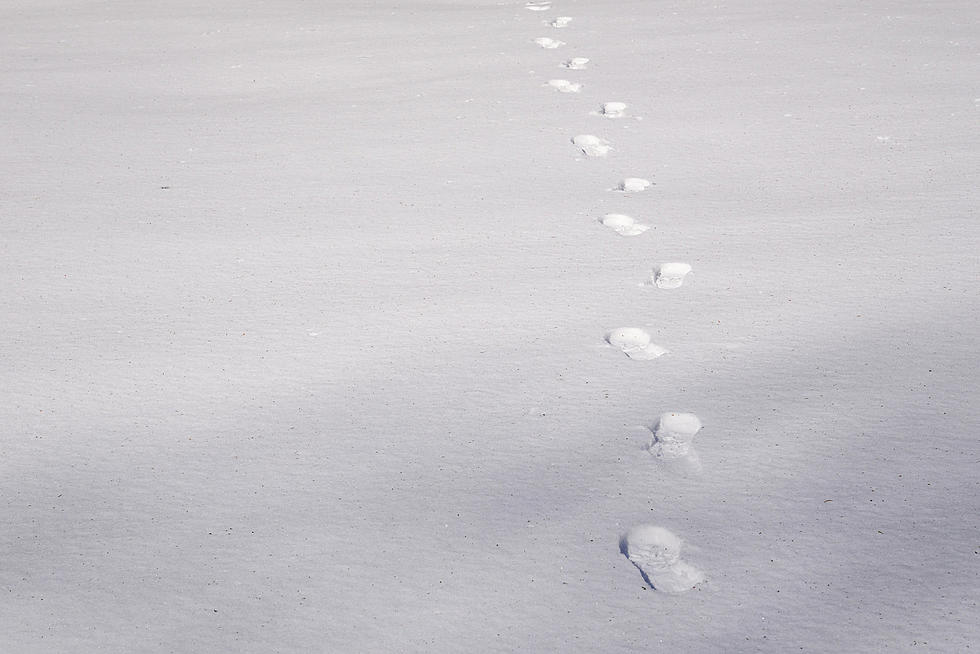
{"points": [[303, 307], [623, 225], [591, 145], [635, 343], [633, 185], [656, 552], [565, 86], [671, 275], [613, 109], [576, 63]]}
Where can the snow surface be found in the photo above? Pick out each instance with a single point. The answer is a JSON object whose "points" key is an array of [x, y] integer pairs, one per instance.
{"points": [[302, 312]]}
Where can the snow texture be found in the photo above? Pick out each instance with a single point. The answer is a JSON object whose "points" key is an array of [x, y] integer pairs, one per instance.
{"points": [[564, 85], [635, 343], [623, 225], [671, 275], [548, 43], [613, 109], [301, 312], [576, 63], [633, 185], [656, 552], [591, 145]]}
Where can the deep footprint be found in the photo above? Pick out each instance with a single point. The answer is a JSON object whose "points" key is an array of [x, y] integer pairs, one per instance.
{"points": [[635, 343], [623, 225], [561, 21], [592, 146], [656, 552], [671, 443]]}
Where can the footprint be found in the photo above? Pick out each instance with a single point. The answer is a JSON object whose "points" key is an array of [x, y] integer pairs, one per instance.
{"points": [[671, 443], [635, 343], [564, 85], [613, 110], [592, 146], [656, 552], [576, 63], [633, 185], [561, 21], [623, 225], [670, 275], [538, 6], [547, 43]]}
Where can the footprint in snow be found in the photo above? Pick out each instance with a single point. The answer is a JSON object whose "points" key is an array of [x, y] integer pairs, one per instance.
{"points": [[538, 6], [592, 146], [623, 225], [670, 275], [633, 185], [613, 110], [549, 44], [561, 21], [671, 442], [635, 343], [656, 552], [564, 85], [576, 63]]}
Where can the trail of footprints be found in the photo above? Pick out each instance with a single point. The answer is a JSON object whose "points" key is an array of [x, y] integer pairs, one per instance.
{"points": [[654, 550]]}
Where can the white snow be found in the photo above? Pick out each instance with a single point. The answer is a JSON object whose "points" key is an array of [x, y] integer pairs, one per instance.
{"points": [[671, 275], [623, 225], [565, 86], [576, 63], [548, 43], [613, 109], [302, 307], [561, 21], [635, 343], [591, 145], [634, 185], [656, 551]]}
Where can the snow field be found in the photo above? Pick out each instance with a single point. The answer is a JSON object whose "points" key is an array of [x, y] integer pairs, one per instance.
{"points": [[302, 311]]}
